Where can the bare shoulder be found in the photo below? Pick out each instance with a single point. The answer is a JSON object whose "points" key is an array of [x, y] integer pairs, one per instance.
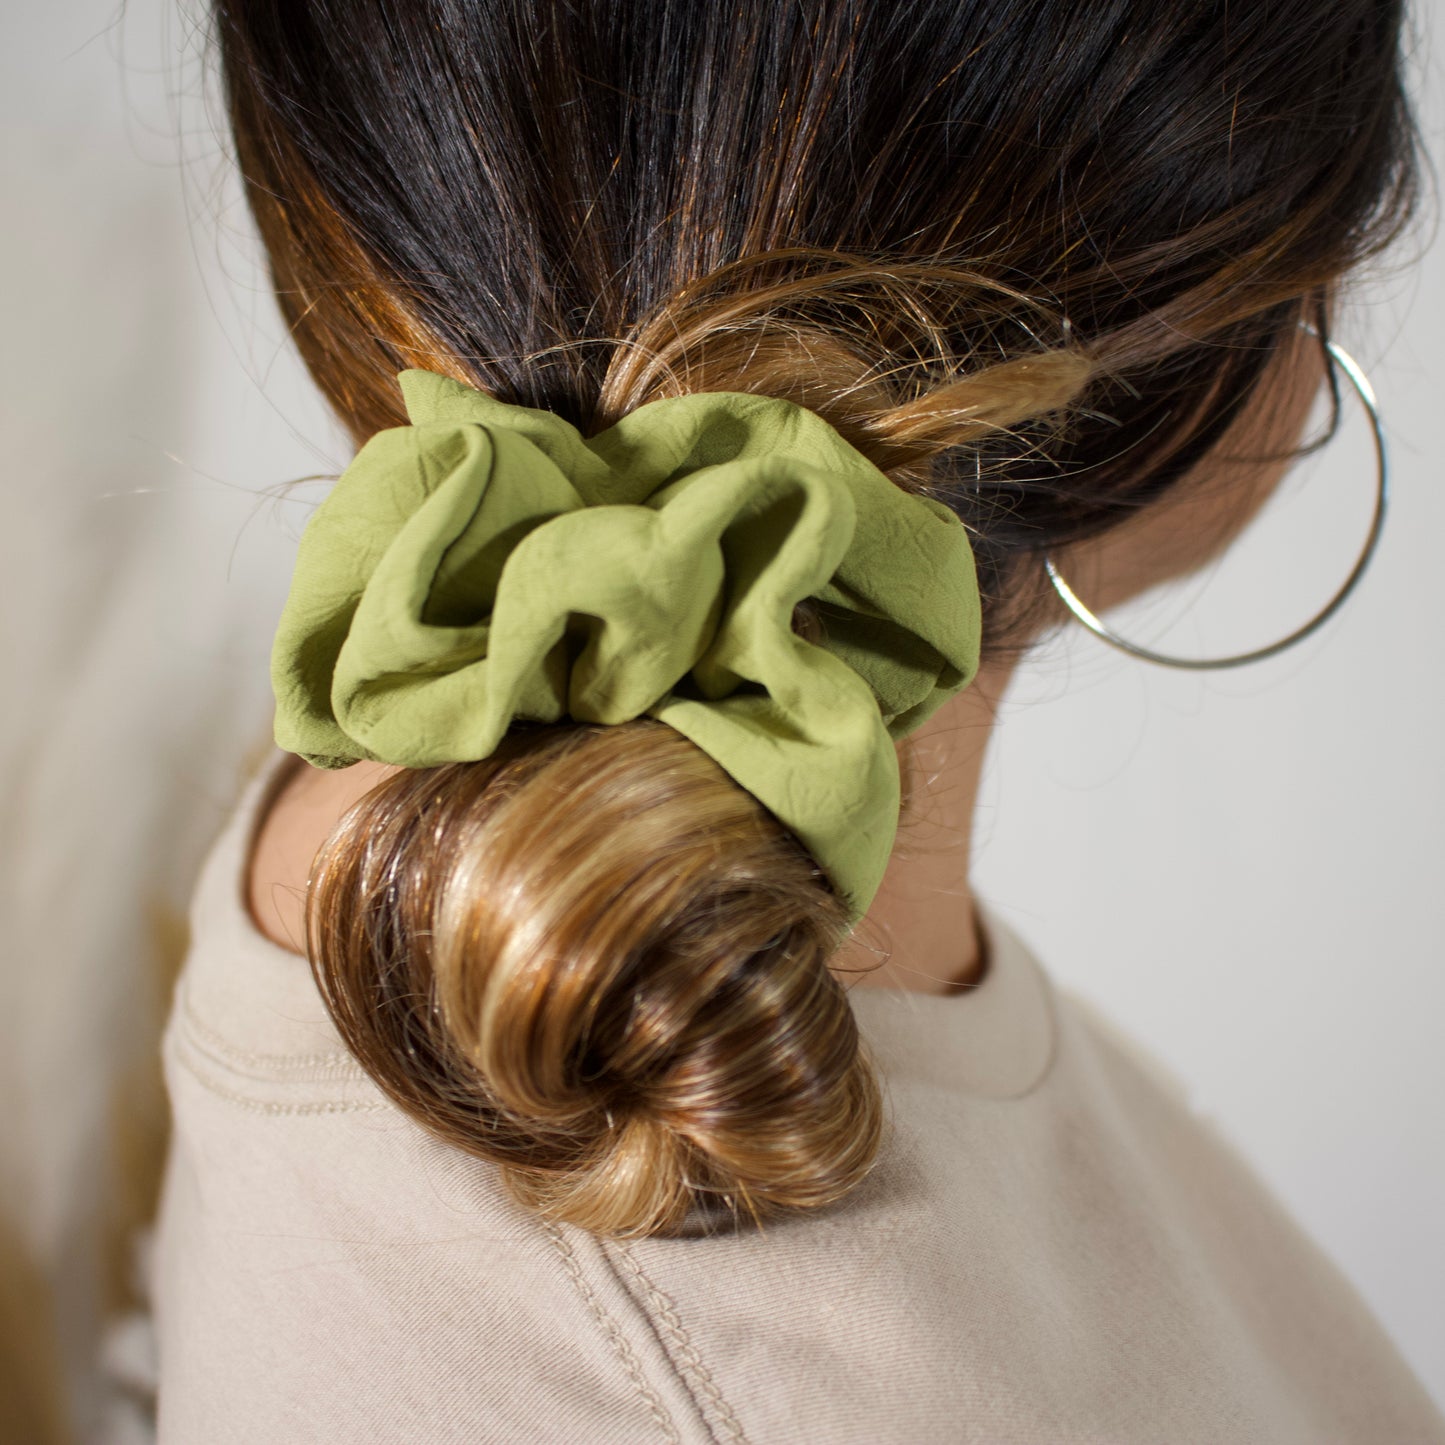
{"points": [[302, 813]]}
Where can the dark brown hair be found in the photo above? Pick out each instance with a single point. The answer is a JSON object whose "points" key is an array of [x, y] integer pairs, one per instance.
{"points": [[1031, 257]]}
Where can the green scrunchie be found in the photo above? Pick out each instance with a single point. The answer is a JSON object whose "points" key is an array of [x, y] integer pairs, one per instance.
{"points": [[488, 562]]}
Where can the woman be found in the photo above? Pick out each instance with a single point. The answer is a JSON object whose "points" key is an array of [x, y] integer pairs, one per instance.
{"points": [[636, 1088]]}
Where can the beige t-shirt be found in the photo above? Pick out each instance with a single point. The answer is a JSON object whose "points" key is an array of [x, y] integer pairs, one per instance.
{"points": [[1053, 1248]]}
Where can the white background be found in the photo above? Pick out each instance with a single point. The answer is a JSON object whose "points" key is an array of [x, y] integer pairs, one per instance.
{"points": [[1242, 868]]}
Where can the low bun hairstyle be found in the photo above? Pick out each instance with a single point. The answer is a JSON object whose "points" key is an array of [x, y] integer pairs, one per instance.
{"points": [[1031, 258], [625, 961]]}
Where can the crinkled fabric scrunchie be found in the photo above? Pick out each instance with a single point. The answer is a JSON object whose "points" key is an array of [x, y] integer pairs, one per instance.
{"points": [[488, 563]]}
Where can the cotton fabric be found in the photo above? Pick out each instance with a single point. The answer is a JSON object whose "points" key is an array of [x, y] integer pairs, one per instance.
{"points": [[486, 562], [1054, 1250]]}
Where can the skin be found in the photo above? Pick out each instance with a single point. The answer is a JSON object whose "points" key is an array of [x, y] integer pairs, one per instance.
{"points": [[921, 933]]}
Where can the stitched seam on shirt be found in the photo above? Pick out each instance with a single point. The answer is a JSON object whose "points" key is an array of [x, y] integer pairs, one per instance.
{"points": [[666, 1309], [279, 1063], [271, 1106], [614, 1334]]}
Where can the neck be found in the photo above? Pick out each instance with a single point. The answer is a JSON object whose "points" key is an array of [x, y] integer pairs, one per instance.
{"points": [[921, 932]]}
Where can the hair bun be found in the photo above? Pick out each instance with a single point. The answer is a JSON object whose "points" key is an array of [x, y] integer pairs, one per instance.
{"points": [[596, 961]]}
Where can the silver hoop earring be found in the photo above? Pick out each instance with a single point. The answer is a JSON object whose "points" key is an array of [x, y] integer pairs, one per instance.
{"points": [[1366, 393]]}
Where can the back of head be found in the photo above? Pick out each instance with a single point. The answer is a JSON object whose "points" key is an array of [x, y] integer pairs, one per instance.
{"points": [[1030, 258]]}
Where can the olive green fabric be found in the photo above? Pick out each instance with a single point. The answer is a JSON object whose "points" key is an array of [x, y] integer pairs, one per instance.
{"points": [[489, 563]]}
